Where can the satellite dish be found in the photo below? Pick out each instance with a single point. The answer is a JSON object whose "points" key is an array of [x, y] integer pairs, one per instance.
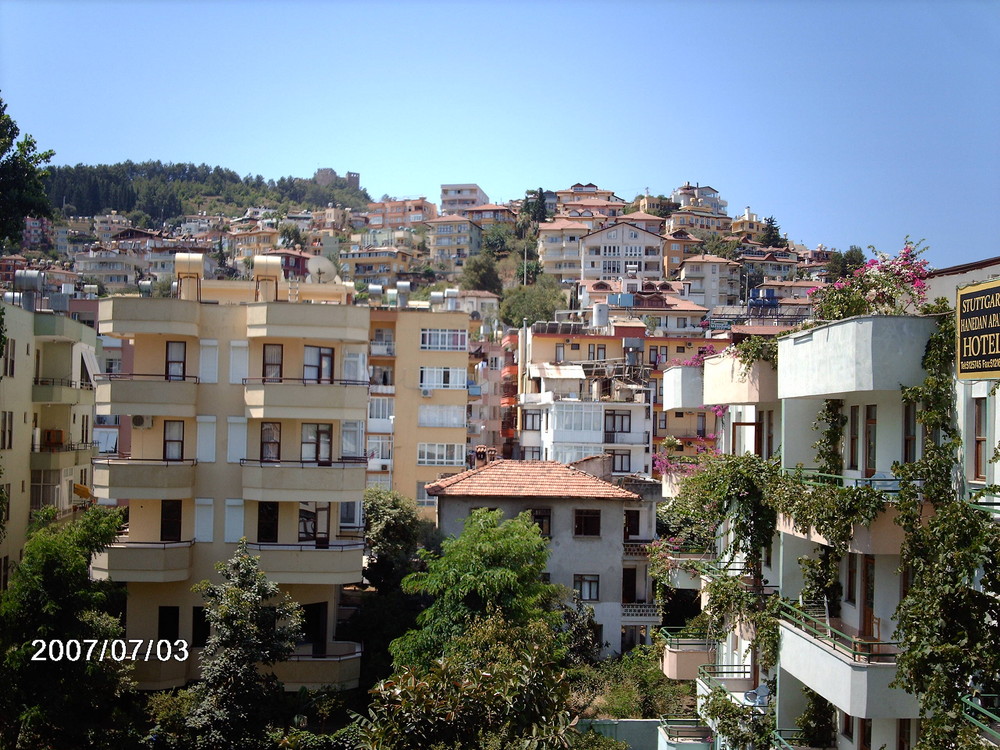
{"points": [[321, 270]]}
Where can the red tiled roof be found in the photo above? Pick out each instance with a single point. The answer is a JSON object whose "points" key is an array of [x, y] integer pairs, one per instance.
{"points": [[638, 216], [506, 478], [760, 330], [707, 259], [560, 224]]}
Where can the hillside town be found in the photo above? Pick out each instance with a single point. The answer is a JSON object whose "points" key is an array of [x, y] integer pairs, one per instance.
{"points": [[752, 464]]}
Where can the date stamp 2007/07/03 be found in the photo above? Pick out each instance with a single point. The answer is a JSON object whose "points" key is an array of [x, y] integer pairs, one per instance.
{"points": [[118, 650]]}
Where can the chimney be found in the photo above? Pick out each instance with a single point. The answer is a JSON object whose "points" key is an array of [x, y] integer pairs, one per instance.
{"points": [[491, 455], [481, 456]]}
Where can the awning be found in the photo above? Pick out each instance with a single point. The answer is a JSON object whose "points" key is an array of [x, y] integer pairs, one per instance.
{"points": [[90, 363], [562, 372]]}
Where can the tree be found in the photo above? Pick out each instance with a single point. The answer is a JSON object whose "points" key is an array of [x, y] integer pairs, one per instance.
{"points": [[253, 626], [491, 568], [22, 191], [537, 301], [480, 272], [62, 702], [771, 236], [291, 235], [854, 259], [392, 533], [497, 239]]}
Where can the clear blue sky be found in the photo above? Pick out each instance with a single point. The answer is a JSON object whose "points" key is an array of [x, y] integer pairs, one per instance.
{"points": [[850, 122]]}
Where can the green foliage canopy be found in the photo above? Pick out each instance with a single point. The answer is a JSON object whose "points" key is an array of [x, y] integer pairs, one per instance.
{"points": [[22, 190]]}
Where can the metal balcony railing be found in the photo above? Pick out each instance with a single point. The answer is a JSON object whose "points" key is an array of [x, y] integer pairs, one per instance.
{"points": [[983, 712], [859, 648]]}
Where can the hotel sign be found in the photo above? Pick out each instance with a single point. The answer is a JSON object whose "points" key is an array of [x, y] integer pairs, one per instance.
{"points": [[978, 331]]}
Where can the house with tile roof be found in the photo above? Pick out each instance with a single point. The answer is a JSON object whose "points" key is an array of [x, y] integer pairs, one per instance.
{"points": [[559, 248], [597, 533], [615, 250]]}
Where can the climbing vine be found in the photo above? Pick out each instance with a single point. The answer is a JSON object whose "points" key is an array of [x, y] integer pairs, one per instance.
{"points": [[829, 452], [818, 722], [947, 626], [755, 349], [742, 726]]}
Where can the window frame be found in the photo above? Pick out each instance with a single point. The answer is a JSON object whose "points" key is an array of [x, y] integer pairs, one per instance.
{"points": [[174, 368], [173, 444], [322, 370], [270, 435], [271, 371], [587, 586], [586, 522]]}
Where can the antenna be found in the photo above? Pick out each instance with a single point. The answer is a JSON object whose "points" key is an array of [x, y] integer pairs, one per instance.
{"points": [[321, 269]]}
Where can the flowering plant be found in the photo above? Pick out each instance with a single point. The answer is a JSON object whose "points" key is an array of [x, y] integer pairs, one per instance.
{"points": [[883, 286]]}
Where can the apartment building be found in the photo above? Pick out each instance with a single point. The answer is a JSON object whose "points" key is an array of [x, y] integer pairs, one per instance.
{"points": [[845, 650], [248, 411], [770, 262], [711, 281], [583, 192], [559, 248], [700, 217], [456, 198], [376, 265], [253, 242], [116, 269], [47, 370], [106, 227], [417, 412], [583, 516], [676, 245], [451, 240], [401, 214], [699, 195], [618, 249], [490, 213]]}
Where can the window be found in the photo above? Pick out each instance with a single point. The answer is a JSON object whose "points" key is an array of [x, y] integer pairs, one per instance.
{"points": [[318, 364], [586, 522], [379, 447], [272, 363], [348, 514], [440, 415], [617, 421], [591, 351], [7, 366], [852, 452], [200, 628], [621, 461], [601, 351], [6, 430], [168, 623], [173, 440], [909, 433], [176, 357], [532, 420], [531, 454], [446, 378], [267, 523], [441, 454], [847, 726], [979, 452], [423, 499], [903, 734], [380, 407], [543, 518], [587, 587], [560, 352], [351, 435], [270, 441], [851, 590], [170, 520], [443, 339], [317, 442], [871, 426], [577, 417]]}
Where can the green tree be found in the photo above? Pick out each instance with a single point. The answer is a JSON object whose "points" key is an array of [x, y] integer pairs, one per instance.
{"points": [[392, 533], [491, 568], [537, 301], [771, 236], [22, 188], [253, 625], [854, 259], [480, 272], [65, 703], [497, 239]]}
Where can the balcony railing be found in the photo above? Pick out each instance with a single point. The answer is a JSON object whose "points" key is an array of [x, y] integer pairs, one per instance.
{"points": [[63, 447], [340, 545], [304, 381], [788, 739], [720, 675], [856, 647], [816, 478], [640, 609], [637, 547], [683, 637], [147, 376], [626, 438], [686, 729], [383, 348], [286, 463], [983, 712], [65, 382]]}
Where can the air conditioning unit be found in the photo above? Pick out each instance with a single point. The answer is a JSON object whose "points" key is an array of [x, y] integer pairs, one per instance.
{"points": [[426, 392], [142, 421]]}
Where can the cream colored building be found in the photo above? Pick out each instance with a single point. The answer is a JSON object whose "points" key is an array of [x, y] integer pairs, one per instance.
{"points": [[417, 413], [46, 419], [451, 241], [559, 248], [248, 412]]}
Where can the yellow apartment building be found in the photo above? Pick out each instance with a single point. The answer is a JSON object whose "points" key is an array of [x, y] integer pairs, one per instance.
{"points": [[46, 419], [247, 402], [417, 412]]}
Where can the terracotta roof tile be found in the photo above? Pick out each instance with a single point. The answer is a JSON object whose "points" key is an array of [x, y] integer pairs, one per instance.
{"points": [[508, 478]]}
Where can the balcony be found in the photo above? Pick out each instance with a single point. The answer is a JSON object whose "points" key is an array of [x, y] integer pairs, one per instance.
{"points": [[983, 712], [382, 348], [684, 733], [725, 382], [851, 671], [65, 456], [637, 549], [682, 560], [296, 398], [345, 323], [382, 390], [50, 327], [640, 611], [863, 354], [684, 652], [341, 669], [734, 679], [342, 481], [145, 562], [61, 391], [789, 739], [339, 562], [683, 388], [626, 438], [143, 479], [158, 395], [131, 316]]}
